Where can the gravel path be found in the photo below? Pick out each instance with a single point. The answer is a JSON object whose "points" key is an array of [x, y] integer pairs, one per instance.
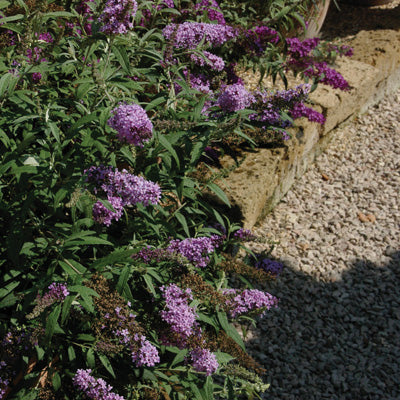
{"points": [[336, 333]]}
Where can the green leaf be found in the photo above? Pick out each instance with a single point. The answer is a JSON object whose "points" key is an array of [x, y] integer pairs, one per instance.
{"points": [[180, 356], [164, 141], [65, 308], [182, 221], [219, 193], [8, 301], [229, 329], [223, 358], [150, 285], [71, 353], [123, 279], [52, 323], [54, 130], [4, 4], [122, 56], [90, 358], [56, 381], [107, 365], [87, 241], [85, 337]]}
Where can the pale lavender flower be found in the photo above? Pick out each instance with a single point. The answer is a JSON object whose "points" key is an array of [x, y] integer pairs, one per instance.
{"points": [[242, 302], [147, 354], [196, 250], [122, 189], [117, 16], [132, 124], [95, 389], [102, 215], [190, 34], [210, 60], [204, 361], [235, 97], [177, 313]]}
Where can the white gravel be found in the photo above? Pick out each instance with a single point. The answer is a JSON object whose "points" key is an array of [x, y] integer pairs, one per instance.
{"points": [[336, 333]]}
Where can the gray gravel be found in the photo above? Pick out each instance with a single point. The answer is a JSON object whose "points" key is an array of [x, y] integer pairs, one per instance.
{"points": [[336, 333]]}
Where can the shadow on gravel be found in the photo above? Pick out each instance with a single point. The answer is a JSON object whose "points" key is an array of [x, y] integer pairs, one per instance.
{"points": [[333, 340], [350, 20]]}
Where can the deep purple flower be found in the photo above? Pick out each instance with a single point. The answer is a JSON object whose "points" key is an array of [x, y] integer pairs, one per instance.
{"points": [[329, 76], [132, 124], [300, 110], [234, 98], [117, 16], [268, 265], [95, 389], [244, 235], [204, 361], [211, 7], [248, 300]]}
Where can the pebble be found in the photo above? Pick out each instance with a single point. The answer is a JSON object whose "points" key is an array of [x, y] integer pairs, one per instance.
{"points": [[335, 334]]}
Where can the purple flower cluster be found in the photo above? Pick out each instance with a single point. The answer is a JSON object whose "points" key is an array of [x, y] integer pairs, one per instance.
{"points": [[234, 98], [329, 75], [147, 354], [122, 189], [3, 381], [257, 39], [190, 34], [212, 10], [271, 266], [270, 105], [132, 124], [117, 16], [248, 300], [57, 293], [301, 57], [93, 388], [204, 361], [244, 235], [196, 250], [210, 60], [177, 313], [300, 110]]}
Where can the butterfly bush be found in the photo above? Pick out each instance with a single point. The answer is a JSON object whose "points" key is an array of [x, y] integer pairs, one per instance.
{"points": [[57, 292], [95, 389], [190, 34], [235, 97], [121, 189], [212, 9], [209, 60], [302, 57], [3, 381], [242, 302], [147, 355], [132, 124], [177, 313], [203, 360], [268, 265], [196, 250], [117, 16]]}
